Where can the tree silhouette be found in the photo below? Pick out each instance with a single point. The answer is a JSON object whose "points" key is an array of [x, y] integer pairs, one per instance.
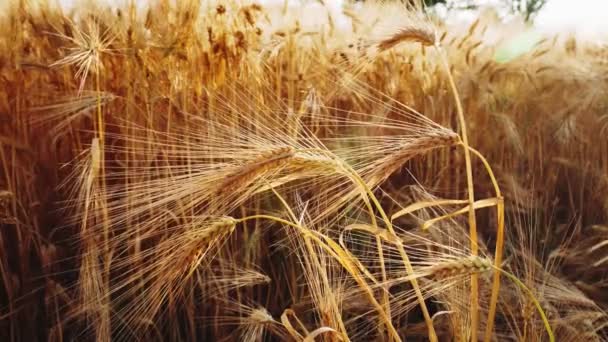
{"points": [[527, 8]]}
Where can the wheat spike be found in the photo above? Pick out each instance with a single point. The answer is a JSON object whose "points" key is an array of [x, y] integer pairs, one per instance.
{"points": [[270, 160], [205, 240], [386, 166], [409, 34], [462, 266]]}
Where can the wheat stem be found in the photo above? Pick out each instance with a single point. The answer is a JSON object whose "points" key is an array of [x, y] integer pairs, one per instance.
{"points": [[472, 219], [315, 259], [406, 260], [539, 308], [500, 232], [368, 195], [344, 260]]}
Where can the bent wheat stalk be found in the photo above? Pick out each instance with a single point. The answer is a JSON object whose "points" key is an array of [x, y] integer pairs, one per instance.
{"points": [[500, 238], [471, 193], [343, 257], [539, 308], [368, 195]]}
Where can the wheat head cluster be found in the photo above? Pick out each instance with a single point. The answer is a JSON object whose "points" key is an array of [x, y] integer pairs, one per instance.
{"points": [[231, 171]]}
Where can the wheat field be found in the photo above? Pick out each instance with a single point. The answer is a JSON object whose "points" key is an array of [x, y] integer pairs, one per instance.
{"points": [[230, 171]]}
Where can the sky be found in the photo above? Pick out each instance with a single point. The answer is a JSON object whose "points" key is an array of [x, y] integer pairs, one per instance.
{"points": [[587, 17]]}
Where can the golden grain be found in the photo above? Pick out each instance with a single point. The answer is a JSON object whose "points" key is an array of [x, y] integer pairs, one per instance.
{"points": [[134, 141]]}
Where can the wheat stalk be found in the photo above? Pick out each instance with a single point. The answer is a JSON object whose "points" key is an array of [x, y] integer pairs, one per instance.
{"points": [[212, 105]]}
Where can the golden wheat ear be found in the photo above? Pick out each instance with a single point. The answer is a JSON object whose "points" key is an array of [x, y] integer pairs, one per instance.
{"points": [[253, 322], [267, 161], [425, 36], [463, 266]]}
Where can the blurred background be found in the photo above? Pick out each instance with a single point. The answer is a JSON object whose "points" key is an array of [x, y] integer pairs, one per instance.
{"points": [[584, 18]]}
